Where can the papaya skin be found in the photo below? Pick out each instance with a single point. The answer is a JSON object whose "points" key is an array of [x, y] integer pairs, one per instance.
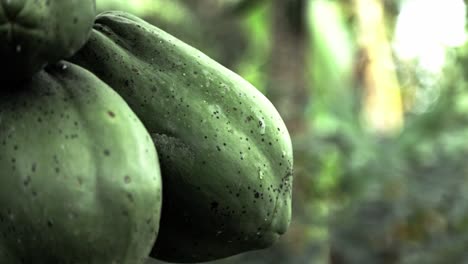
{"points": [[79, 176], [225, 153], [34, 33]]}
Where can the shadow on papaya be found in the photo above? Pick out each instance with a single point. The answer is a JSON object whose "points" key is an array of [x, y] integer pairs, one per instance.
{"points": [[34, 33], [225, 153]]}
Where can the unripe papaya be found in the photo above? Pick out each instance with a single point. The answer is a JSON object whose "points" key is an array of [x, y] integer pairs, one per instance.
{"points": [[225, 153], [79, 175], [34, 33]]}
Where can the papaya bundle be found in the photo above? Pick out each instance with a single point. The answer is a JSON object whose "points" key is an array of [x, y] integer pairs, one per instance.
{"points": [[222, 149]]}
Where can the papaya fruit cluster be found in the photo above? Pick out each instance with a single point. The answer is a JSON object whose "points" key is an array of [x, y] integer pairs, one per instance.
{"points": [[119, 142]]}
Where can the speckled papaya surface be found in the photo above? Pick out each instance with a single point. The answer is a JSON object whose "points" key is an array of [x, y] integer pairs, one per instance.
{"points": [[225, 153], [79, 180]]}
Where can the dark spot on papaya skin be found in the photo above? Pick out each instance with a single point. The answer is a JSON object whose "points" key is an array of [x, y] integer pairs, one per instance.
{"points": [[106, 152], [27, 181], [130, 197], [127, 179], [111, 114]]}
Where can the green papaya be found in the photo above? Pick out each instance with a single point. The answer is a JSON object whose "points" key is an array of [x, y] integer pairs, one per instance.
{"points": [[34, 33], [79, 175], [225, 153]]}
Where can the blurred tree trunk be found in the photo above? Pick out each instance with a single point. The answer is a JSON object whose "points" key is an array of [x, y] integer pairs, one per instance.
{"points": [[382, 103], [287, 87]]}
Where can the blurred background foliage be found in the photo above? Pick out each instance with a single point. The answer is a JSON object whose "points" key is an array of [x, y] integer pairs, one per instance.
{"points": [[375, 95]]}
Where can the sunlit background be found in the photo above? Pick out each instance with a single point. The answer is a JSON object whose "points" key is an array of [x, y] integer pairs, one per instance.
{"points": [[375, 95]]}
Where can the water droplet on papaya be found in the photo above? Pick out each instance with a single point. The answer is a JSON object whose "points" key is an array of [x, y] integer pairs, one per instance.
{"points": [[261, 126], [260, 174]]}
